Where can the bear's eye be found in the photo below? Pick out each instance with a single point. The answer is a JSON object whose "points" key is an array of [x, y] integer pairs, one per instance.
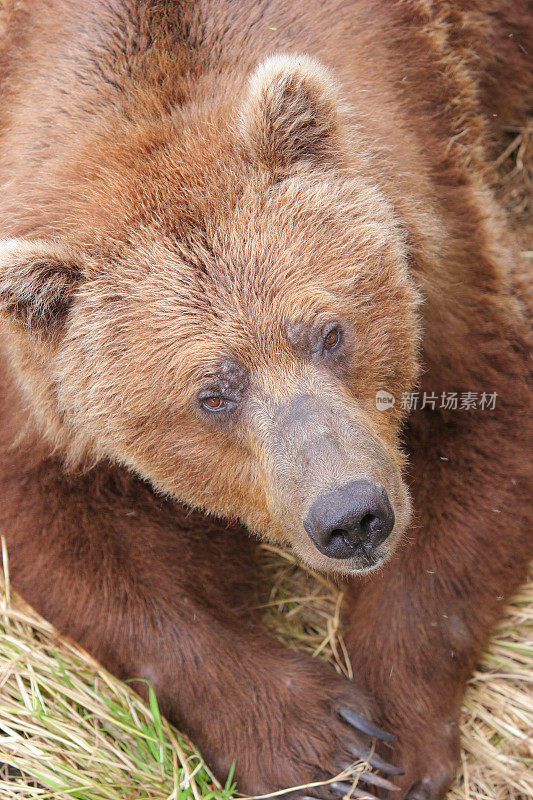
{"points": [[332, 339], [214, 403]]}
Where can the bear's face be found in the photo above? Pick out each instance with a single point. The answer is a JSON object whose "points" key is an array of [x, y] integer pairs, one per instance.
{"points": [[236, 366]]}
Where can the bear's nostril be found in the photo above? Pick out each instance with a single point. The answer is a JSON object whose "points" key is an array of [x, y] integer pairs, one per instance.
{"points": [[339, 533], [338, 543], [368, 523], [341, 539]]}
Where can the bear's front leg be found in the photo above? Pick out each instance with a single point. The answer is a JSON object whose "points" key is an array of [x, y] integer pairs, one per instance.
{"points": [[415, 631], [162, 595]]}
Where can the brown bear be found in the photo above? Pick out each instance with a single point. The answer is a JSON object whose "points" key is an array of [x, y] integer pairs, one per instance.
{"points": [[235, 235]]}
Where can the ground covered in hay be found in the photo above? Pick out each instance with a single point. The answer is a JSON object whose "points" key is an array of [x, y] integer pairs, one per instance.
{"points": [[68, 729]]}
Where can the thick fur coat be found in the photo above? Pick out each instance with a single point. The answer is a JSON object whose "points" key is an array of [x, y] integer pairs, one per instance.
{"points": [[225, 227]]}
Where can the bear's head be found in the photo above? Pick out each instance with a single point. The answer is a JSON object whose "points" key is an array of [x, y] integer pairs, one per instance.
{"points": [[227, 333]]}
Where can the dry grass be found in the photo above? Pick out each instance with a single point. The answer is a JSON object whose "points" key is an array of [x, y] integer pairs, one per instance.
{"points": [[515, 190], [73, 730], [69, 729], [497, 725]]}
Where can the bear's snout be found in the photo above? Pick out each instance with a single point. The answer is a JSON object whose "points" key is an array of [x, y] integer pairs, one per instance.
{"points": [[352, 520], [334, 486]]}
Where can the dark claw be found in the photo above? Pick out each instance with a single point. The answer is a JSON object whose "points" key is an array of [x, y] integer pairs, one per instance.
{"points": [[389, 769], [377, 780], [346, 788], [375, 761], [372, 778], [364, 725]]}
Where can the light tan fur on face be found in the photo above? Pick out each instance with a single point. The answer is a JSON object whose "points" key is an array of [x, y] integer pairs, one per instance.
{"points": [[314, 438], [297, 241]]}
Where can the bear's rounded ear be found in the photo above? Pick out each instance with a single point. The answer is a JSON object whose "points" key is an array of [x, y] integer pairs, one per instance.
{"points": [[292, 113], [37, 282]]}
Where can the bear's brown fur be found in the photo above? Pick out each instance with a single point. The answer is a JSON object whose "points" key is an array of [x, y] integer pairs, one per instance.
{"points": [[197, 200]]}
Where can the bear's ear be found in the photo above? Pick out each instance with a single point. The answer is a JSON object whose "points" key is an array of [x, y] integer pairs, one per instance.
{"points": [[292, 113], [37, 282]]}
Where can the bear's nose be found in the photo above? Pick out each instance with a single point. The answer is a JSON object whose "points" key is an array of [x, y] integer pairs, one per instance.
{"points": [[351, 520]]}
